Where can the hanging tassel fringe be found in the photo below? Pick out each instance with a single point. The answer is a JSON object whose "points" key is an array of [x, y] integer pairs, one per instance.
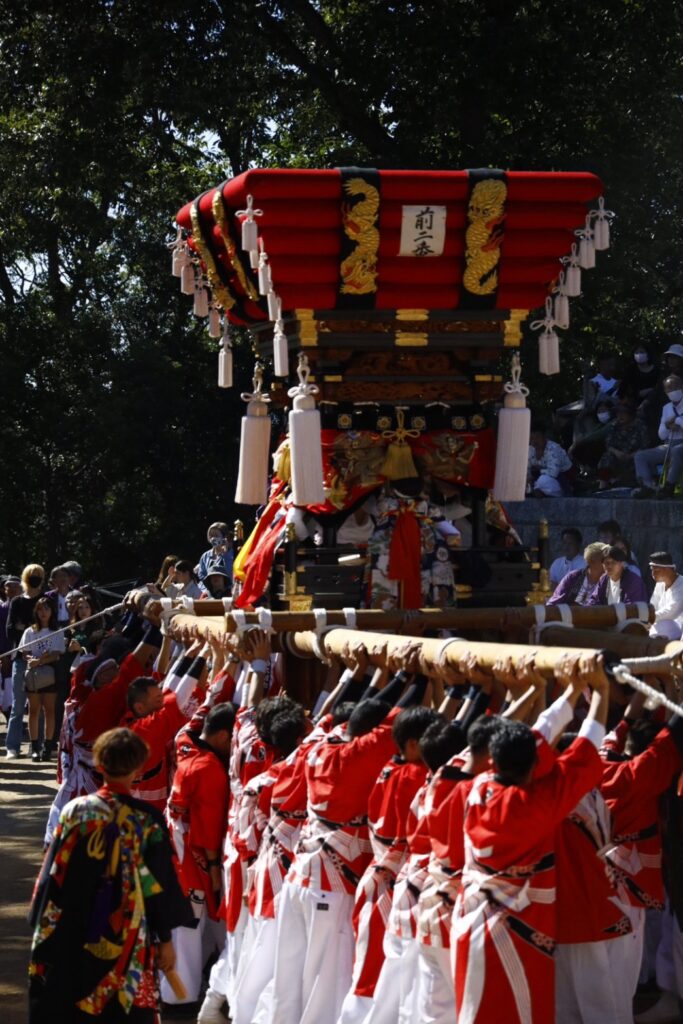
{"points": [[214, 323], [512, 450], [273, 306], [252, 478], [305, 441], [265, 281], [225, 373], [586, 245], [572, 274], [187, 279], [398, 462], [548, 342], [201, 301], [280, 348], [601, 225], [250, 229]]}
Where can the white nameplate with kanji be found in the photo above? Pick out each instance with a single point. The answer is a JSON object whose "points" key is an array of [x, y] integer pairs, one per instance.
{"points": [[423, 230]]}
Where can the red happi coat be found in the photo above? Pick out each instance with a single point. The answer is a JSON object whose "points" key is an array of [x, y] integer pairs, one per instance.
{"points": [[158, 731], [281, 834], [504, 926], [334, 849], [197, 813], [388, 810], [632, 790]]}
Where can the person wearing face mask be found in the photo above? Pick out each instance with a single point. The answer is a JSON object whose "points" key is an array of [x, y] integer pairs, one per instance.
{"points": [[20, 618], [218, 557], [641, 377], [588, 449], [669, 453], [625, 437]]}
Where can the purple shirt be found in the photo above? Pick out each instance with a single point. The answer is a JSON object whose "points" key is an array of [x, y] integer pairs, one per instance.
{"points": [[632, 589]]}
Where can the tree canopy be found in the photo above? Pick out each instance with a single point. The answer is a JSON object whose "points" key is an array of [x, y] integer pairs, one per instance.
{"points": [[117, 445]]}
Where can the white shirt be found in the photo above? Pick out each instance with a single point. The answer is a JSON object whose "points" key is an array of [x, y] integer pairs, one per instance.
{"points": [[38, 642], [561, 566], [668, 602], [671, 411], [613, 591]]}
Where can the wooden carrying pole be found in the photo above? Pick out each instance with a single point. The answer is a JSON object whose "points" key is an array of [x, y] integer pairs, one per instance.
{"points": [[304, 645], [626, 645], [466, 619]]}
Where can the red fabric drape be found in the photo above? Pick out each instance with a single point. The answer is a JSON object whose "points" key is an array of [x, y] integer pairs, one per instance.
{"points": [[405, 556]]}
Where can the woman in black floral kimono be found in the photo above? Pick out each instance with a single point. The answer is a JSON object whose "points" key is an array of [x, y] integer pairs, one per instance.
{"points": [[105, 902]]}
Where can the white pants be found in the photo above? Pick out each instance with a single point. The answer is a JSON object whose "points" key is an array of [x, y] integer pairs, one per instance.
{"points": [[314, 956], [549, 486], [585, 985], [396, 990], [435, 986], [625, 956], [256, 967], [193, 947], [355, 1009], [670, 955]]}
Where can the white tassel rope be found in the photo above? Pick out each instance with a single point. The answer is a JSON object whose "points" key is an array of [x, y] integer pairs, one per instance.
{"points": [[250, 230], [225, 370], [586, 245], [512, 449], [601, 225], [548, 342], [572, 273], [252, 478], [280, 347], [305, 441]]}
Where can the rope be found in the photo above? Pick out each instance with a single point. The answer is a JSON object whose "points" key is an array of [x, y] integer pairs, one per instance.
{"points": [[623, 676], [62, 629]]}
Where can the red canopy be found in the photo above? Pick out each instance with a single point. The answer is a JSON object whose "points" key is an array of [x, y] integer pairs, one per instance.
{"points": [[313, 220]]}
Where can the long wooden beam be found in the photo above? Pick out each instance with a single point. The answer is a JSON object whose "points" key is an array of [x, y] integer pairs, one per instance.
{"points": [[626, 645], [466, 619]]}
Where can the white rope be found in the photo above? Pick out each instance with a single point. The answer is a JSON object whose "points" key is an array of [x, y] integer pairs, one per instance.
{"points": [[187, 604], [623, 676], [240, 620], [62, 629], [227, 605], [620, 612], [565, 614], [643, 611], [265, 619], [321, 628], [440, 658]]}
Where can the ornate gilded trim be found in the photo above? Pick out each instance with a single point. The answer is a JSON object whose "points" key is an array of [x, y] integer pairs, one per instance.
{"points": [[484, 235], [308, 328], [512, 328], [411, 339], [220, 216], [359, 219], [412, 314], [221, 292]]}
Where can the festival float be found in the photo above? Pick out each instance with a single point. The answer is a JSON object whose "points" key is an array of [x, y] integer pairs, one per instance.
{"points": [[385, 310]]}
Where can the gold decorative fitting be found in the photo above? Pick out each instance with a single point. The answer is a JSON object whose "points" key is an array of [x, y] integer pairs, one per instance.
{"points": [[221, 293], [483, 238], [512, 328], [333, 377], [359, 270], [308, 327], [412, 314], [411, 339], [220, 216]]}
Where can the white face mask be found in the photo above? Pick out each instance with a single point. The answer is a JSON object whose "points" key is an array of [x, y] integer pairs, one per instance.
{"points": [[604, 417], [640, 357], [675, 396]]}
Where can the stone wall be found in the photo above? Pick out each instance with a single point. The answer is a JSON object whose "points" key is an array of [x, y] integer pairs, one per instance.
{"points": [[648, 525]]}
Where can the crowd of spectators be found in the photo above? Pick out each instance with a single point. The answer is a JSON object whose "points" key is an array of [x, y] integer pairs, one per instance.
{"points": [[626, 432]]}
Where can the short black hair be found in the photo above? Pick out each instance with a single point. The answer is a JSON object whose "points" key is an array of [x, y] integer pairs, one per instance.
{"points": [[411, 723], [539, 426], [616, 553], [661, 557], [265, 713], [571, 531], [440, 742], [220, 717], [480, 732], [640, 736], [513, 752], [287, 727], [137, 690], [342, 712], [367, 715]]}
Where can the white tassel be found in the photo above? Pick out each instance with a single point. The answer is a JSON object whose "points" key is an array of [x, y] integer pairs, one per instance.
{"points": [[586, 246], [225, 377], [548, 343], [512, 450], [187, 277], [214, 323], [252, 478], [601, 229], [572, 274], [273, 306], [305, 441], [549, 353], [265, 280], [201, 301], [249, 227], [561, 306], [280, 349], [253, 259], [181, 258]]}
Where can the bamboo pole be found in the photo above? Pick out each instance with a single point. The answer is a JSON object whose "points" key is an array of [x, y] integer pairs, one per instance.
{"points": [[466, 619], [626, 645]]}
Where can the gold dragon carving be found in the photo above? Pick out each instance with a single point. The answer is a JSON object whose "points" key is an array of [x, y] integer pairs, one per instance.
{"points": [[359, 269], [484, 235]]}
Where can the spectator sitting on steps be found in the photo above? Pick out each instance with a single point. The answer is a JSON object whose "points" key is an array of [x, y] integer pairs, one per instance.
{"points": [[547, 461], [668, 454]]}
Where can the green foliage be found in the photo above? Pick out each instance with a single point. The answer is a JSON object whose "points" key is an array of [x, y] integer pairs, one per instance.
{"points": [[116, 442]]}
